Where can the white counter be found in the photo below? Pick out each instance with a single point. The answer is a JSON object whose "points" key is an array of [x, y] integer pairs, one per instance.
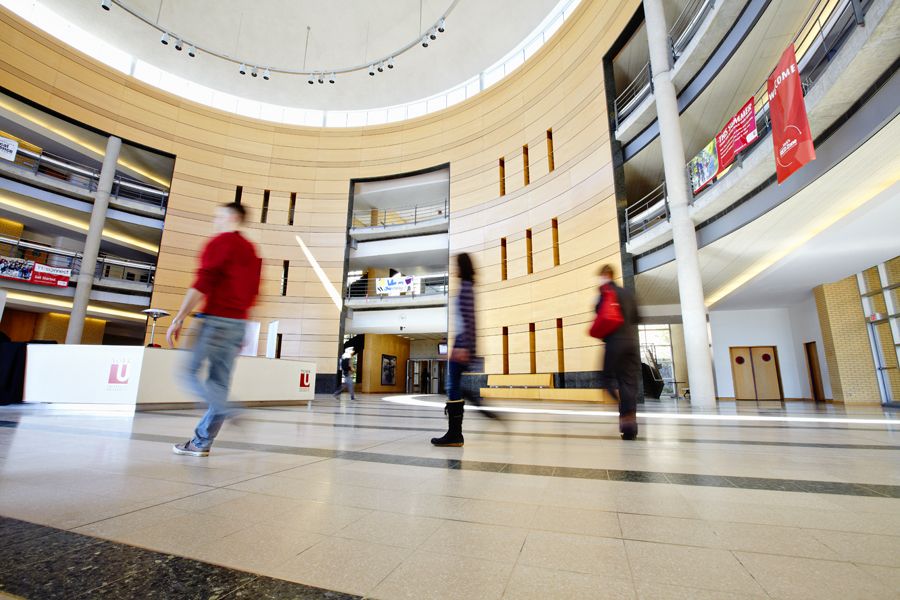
{"points": [[144, 377]]}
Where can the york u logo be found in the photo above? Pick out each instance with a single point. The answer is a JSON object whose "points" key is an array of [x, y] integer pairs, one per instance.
{"points": [[304, 379], [118, 373]]}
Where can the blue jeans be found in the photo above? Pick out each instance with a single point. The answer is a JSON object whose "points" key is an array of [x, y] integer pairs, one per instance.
{"points": [[454, 380], [348, 385], [218, 343]]}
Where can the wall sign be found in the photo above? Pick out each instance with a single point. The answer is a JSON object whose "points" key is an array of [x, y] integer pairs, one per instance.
{"points": [[790, 125], [32, 272]]}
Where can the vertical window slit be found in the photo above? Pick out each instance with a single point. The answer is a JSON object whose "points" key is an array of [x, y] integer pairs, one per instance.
{"points": [[238, 192], [550, 149], [555, 227], [502, 259], [529, 262], [531, 347], [284, 277], [265, 207], [291, 209], [506, 350], [525, 164], [502, 178]]}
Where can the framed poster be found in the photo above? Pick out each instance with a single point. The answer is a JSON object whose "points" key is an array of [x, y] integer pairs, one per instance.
{"points": [[388, 370]]}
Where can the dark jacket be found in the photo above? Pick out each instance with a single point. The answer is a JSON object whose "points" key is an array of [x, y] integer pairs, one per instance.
{"points": [[465, 318], [628, 304]]}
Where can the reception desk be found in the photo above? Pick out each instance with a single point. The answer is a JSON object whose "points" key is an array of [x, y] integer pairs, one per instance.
{"points": [[146, 377]]}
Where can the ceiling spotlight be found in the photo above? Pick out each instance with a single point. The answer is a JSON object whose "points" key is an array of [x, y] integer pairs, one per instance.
{"points": [[164, 40], [254, 72], [192, 52], [321, 77], [391, 63], [266, 74], [381, 67], [372, 70], [433, 34], [178, 45], [424, 41], [441, 26], [311, 79], [243, 69], [106, 4], [331, 78]]}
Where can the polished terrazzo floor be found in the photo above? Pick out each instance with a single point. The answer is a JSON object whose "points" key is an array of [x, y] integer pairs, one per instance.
{"points": [[349, 499]]}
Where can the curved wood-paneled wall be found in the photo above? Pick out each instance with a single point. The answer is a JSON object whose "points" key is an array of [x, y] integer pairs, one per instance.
{"points": [[561, 88]]}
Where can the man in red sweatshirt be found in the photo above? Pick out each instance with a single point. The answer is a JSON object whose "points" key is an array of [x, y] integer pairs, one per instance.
{"points": [[228, 279]]}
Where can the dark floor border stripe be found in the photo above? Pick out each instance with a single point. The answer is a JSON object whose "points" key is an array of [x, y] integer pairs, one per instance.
{"points": [[38, 562], [572, 436], [747, 483]]}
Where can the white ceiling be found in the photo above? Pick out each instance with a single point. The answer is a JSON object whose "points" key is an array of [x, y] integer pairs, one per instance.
{"points": [[802, 243], [399, 192], [747, 69], [342, 33]]}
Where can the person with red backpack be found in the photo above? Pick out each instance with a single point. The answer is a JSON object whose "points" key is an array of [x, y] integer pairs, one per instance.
{"points": [[616, 324]]}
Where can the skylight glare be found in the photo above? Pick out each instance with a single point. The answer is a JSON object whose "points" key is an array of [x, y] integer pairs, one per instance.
{"points": [[40, 16]]}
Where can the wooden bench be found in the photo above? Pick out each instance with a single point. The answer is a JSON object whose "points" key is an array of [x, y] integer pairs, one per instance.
{"points": [[539, 386]]}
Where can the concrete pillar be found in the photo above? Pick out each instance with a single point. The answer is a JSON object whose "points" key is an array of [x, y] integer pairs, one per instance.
{"points": [[92, 244], [690, 285]]}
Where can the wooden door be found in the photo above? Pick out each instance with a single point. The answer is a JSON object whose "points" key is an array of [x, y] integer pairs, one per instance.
{"points": [[742, 373], [765, 373], [815, 372]]}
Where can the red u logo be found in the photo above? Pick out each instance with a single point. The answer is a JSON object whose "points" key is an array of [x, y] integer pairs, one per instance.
{"points": [[304, 380]]}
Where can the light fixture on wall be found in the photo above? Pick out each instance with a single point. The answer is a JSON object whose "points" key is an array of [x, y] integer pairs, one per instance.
{"points": [[254, 72], [311, 79], [180, 43]]}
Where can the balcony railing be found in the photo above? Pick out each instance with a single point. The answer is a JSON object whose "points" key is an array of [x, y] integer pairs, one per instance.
{"points": [[108, 267], [826, 28], [415, 214], [687, 25], [634, 94], [648, 212], [429, 285], [62, 169]]}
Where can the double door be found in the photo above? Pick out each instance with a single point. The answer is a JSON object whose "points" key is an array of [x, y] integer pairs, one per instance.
{"points": [[756, 373], [426, 376]]}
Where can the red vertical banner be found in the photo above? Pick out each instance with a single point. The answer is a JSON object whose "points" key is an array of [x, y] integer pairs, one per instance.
{"points": [[790, 126]]}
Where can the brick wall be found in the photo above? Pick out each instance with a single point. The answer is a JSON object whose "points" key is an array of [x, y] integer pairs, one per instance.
{"points": [[848, 352]]}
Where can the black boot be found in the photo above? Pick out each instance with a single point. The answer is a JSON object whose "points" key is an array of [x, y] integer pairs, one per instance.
{"points": [[476, 400], [628, 426], [454, 436]]}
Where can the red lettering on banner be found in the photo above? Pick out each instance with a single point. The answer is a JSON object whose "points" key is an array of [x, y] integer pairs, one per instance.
{"points": [[790, 125]]}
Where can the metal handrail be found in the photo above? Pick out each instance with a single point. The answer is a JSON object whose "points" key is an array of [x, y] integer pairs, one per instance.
{"points": [[429, 285], [820, 38], [639, 88], [56, 167], [649, 211], [70, 259], [687, 24], [401, 215]]}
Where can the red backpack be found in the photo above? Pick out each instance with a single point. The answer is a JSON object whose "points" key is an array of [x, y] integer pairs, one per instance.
{"points": [[609, 317]]}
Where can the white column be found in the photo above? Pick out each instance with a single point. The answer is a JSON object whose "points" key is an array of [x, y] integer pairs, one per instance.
{"points": [[92, 244], [690, 285]]}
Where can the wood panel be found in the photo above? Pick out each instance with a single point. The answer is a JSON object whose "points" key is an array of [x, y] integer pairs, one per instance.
{"points": [[742, 373]]}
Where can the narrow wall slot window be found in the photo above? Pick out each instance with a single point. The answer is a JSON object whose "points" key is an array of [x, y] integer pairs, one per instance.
{"points": [[278, 345], [502, 178], [532, 355], [561, 358], [291, 209], [264, 215], [502, 259], [238, 192], [525, 164], [284, 277], [550, 149], [506, 350], [555, 227], [529, 262]]}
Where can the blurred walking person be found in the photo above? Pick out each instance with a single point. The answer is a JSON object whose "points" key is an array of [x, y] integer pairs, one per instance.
{"points": [[621, 360], [462, 355], [228, 281], [348, 371]]}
